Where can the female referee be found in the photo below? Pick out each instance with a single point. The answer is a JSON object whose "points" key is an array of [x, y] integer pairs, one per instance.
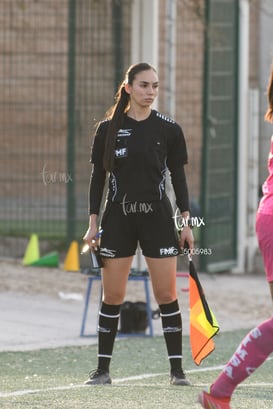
{"points": [[136, 146]]}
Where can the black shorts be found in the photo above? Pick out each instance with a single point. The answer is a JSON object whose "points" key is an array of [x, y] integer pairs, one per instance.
{"points": [[149, 224]]}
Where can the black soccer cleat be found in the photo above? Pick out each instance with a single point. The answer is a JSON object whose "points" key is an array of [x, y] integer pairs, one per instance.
{"points": [[178, 377], [98, 377]]}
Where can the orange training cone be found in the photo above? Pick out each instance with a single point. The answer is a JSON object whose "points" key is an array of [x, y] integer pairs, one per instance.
{"points": [[32, 252], [71, 262]]}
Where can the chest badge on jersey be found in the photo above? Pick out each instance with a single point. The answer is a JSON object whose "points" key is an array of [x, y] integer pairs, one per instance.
{"points": [[121, 150], [121, 153]]}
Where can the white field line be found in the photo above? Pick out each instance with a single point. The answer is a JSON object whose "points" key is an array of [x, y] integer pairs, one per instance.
{"points": [[118, 381]]}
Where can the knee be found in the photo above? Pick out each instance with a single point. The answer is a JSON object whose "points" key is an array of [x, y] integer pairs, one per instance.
{"points": [[167, 298], [113, 298], [269, 324]]}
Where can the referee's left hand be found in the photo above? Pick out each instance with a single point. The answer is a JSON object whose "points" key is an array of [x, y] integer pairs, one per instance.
{"points": [[186, 238]]}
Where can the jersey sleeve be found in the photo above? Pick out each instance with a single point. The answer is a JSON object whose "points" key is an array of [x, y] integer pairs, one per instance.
{"points": [[176, 159], [97, 150], [98, 174], [178, 179], [96, 187], [177, 150]]}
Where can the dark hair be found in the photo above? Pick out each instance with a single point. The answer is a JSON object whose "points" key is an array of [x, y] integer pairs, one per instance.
{"points": [[269, 113], [116, 113]]}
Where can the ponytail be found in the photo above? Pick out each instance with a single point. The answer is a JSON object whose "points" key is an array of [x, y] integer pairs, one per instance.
{"points": [[116, 116], [269, 113]]}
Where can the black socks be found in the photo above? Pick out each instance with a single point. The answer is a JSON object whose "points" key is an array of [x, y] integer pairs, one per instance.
{"points": [[107, 330], [172, 330]]}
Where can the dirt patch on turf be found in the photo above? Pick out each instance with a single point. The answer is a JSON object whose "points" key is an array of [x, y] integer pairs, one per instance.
{"points": [[15, 277]]}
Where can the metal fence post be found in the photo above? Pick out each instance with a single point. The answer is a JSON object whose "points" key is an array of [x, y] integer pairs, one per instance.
{"points": [[117, 41], [70, 205]]}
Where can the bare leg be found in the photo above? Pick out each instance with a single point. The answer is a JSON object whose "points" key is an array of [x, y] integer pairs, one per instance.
{"points": [[163, 276], [114, 279]]}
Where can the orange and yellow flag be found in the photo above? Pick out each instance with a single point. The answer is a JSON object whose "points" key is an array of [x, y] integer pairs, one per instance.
{"points": [[203, 324]]}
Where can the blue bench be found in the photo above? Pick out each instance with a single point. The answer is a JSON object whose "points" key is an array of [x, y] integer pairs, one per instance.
{"points": [[132, 277]]}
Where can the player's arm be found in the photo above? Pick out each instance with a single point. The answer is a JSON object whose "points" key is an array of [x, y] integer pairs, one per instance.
{"points": [[178, 179], [96, 187]]}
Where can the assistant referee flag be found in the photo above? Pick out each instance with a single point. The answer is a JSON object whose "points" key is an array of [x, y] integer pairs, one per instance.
{"points": [[203, 324]]}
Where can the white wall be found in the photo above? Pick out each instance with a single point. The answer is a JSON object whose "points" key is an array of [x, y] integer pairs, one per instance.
{"points": [[145, 22], [242, 134]]}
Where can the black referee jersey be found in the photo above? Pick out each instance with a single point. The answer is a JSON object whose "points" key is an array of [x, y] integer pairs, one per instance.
{"points": [[145, 151]]}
